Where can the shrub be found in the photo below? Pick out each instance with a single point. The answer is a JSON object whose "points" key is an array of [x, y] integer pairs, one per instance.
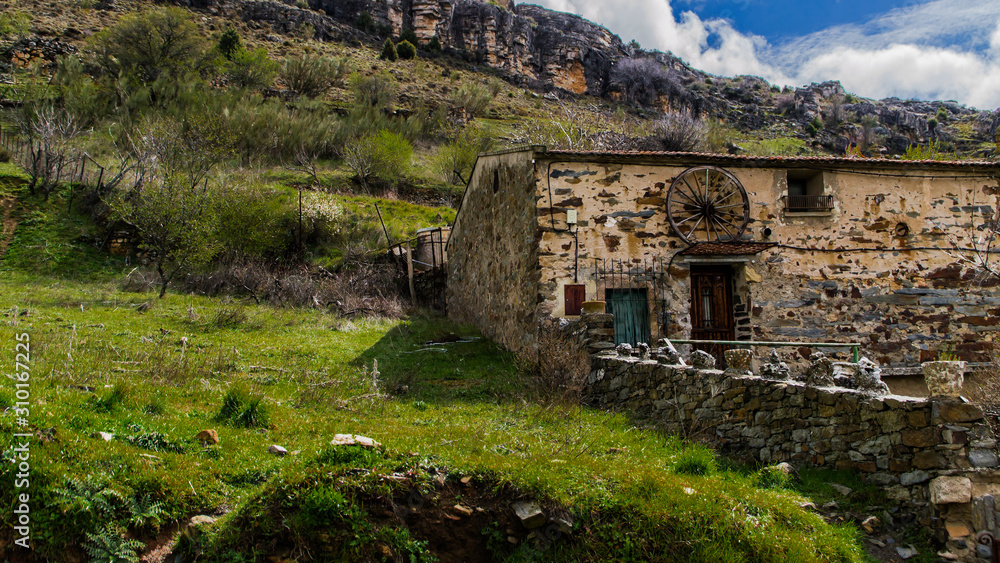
{"points": [[313, 75], [474, 98], [230, 43], [772, 477], [434, 45], [409, 36], [366, 23], [112, 399], [323, 506], [406, 50], [455, 160], [160, 42], [382, 158], [679, 132], [375, 91], [14, 24], [642, 81], [814, 126], [252, 69], [563, 364], [388, 51]]}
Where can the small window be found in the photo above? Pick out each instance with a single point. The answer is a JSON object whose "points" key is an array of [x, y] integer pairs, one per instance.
{"points": [[575, 295], [496, 180], [805, 193]]}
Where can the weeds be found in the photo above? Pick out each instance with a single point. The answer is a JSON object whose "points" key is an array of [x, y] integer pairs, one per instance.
{"points": [[241, 410]]}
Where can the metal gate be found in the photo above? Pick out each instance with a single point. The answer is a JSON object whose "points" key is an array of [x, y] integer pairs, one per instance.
{"points": [[635, 293]]}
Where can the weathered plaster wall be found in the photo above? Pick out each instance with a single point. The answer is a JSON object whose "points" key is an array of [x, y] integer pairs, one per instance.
{"points": [[493, 252], [936, 458], [901, 303]]}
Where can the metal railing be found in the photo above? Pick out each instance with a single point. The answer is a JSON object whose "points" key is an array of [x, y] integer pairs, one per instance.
{"points": [[80, 169], [854, 346], [806, 203]]}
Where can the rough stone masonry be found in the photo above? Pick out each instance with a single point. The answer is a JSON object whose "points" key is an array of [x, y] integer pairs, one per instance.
{"points": [[937, 457]]}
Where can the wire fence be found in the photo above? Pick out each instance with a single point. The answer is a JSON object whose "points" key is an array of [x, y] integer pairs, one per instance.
{"points": [[78, 168]]}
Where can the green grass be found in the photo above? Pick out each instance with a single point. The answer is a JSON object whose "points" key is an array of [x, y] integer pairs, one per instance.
{"points": [[155, 372]]}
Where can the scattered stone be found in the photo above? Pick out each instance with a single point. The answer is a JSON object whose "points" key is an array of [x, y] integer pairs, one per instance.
{"points": [[466, 480], [207, 437], [947, 555], [564, 523], [774, 368], [701, 359], [846, 491], [832, 505], [869, 524], [643, 350], [957, 530], [906, 552], [354, 440], [529, 513], [463, 510], [739, 360], [277, 450], [820, 370], [807, 505], [874, 541], [786, 468], [106, 436], [201, 520], [624, 350], [668, 354], [948, 490], [869, 378]]}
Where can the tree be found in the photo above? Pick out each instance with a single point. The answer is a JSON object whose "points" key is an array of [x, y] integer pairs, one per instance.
{"points": [[406, 50], [456, 159], [49, 131], [388, 51], [230, 43], [170, 203], [643, 80], [434, 45], [380, 158], [410, 36], [161, 42], [252, 69]]}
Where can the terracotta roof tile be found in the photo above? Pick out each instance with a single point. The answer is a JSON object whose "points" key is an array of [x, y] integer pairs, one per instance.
{"points": [[778, 160], [727, 248]]}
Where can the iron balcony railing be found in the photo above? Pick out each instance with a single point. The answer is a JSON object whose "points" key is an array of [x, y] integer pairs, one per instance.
{"points": [[806, 203]]}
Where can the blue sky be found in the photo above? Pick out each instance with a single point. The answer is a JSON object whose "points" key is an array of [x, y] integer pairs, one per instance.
{"points": [[926, 49]]}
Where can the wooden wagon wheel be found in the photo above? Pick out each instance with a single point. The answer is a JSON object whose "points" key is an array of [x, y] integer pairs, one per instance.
{"points": [[706, 203]]}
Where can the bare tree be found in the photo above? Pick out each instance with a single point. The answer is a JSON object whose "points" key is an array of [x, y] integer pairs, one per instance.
{"points": [[49, 132]]}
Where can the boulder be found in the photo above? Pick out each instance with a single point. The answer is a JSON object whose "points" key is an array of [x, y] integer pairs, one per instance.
{"points": [[207, 437], [354, 440], [701, 359]]}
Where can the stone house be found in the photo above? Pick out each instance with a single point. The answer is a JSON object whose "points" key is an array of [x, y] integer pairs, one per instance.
{"points": [[716, 247]]}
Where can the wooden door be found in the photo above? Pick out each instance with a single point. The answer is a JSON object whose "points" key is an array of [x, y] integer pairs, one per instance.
{"points": [[630, 308], [712, 309]]}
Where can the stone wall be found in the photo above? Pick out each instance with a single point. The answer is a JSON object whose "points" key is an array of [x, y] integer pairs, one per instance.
{"points": [[493, 252], [876, 269], [936, 457]]}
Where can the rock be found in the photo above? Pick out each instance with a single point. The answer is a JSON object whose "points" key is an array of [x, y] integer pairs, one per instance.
{"points": [[668, 354], [869, 378], [207, 437], [846, 491], [739, 360], [906, 552], [624, 350], [277, 450], [701, 359], [914, 477], [564, 523], [949, 490], [820, 370], [957, 530], [983, 458], [947, 555], [463, 510], [774, 368], [529, 513], [944, 379], [869, 524], [786, 468], [955, 411], [643, 350], [201, 520], [106, 436], [354, 440]]}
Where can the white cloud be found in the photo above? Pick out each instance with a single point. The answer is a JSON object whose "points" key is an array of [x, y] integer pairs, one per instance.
{"points": [[943, 49]]}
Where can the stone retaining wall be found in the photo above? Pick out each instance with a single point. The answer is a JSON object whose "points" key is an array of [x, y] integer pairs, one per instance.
{"points": [[921, 451]]}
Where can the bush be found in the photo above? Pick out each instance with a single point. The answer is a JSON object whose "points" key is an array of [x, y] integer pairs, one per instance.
{"points": [[455, 160], [679, 132], [814, 126], [409, 36], [375, 91], [694, 460], [366, 23], [160, 42], [642, 81], [388, 51], [474, 98], [406, 50], [313, 75], [382, 158], [242, 411], [563, 364], [252, 69], [772, 477], [230, 43], [434, 45]]}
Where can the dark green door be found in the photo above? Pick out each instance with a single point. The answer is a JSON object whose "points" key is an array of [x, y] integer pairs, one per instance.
{"points": [[631, 315]]}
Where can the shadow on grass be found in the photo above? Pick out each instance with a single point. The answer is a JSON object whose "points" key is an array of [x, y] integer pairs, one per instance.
{"points": [[429, 358]]}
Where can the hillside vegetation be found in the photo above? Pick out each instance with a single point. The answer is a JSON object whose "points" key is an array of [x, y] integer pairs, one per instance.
{"points": [[196, 214]]}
